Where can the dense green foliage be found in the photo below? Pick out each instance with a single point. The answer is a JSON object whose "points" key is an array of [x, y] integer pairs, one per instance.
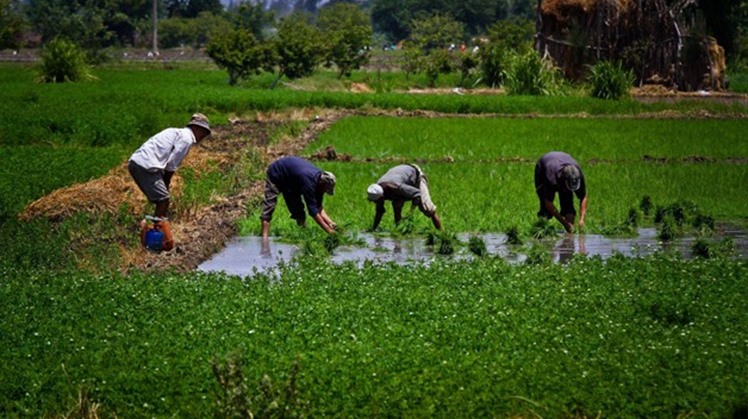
{"points": [[239, 52], [622, 337], [63, 61], [346, 32], [610, 81]]}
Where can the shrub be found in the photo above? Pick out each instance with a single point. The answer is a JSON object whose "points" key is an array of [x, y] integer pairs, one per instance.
{"points": [[63, 61], [529, 74], [610, 81]]}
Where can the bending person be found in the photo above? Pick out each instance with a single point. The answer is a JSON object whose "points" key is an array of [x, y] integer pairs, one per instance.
{"points": [[558, 172], [297, 178], [402, 183], [154, 163]]}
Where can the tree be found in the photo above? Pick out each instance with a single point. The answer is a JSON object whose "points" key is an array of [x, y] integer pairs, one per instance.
{"points": [[11, 24], [253, 17], [436, 32], [238, 52], [195, 7], [82, 22], [505, 38], [392, 18], [347, 32], [297, 47]]}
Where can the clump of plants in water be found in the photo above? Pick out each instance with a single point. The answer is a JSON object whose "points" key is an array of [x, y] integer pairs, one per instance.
{"points": [[513, 235], [627, 228], [407, 225], [444, 243], [543, 228], [673, 218], [477, 246], [702, 248], [537, 255], [646, 205]]}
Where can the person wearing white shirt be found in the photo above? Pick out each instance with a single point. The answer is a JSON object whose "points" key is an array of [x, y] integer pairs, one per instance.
{"points": [[154, 163]]}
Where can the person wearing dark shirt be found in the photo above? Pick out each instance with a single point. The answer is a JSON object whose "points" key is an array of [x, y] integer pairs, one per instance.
{"points": [[402, 183], [558, 172], [297, 179]]}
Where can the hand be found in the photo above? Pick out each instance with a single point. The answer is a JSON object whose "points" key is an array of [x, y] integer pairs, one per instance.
{"points": [[333, 225], [569, 227]]}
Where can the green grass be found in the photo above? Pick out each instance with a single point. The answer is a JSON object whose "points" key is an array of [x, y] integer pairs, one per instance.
{"points": [[491, 139], [500, 196], [618, 338]]}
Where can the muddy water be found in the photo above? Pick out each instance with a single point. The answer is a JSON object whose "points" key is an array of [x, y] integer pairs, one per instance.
{"points": [[245, 256]]}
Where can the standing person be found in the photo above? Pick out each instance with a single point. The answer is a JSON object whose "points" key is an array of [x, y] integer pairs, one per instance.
{"points": [[559, 172], [297, 178], [405, 182], [154, 163]]}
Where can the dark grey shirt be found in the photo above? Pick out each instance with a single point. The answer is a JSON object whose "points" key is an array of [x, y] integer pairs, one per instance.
{"points": [[548, 179], [405, 178]]}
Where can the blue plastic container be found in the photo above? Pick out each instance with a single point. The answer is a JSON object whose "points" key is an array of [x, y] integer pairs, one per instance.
{"points": [[154, 239]]}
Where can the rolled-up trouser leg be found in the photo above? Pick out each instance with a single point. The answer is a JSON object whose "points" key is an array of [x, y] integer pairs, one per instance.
{"points": [[427, 205], [270, 201]]}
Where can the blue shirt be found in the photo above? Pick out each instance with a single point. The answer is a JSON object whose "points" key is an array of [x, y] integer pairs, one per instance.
{"points": [[550, 167], [296, 176]]}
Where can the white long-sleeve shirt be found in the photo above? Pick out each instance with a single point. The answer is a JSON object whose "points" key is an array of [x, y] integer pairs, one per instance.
{"points": [[165, 150]]}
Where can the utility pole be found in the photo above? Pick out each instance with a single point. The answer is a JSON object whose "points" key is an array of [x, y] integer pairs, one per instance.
{"points": [[155, 27]]}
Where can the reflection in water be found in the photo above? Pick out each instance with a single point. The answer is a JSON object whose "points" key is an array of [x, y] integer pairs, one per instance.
{"points": [[246, 255]]}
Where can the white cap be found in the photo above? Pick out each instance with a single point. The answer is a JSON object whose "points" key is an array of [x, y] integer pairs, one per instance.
{"points": [[375, 192]]}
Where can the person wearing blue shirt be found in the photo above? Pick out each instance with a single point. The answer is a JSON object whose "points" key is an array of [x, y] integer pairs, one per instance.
{"points": [[297, 179], [558, 172]]}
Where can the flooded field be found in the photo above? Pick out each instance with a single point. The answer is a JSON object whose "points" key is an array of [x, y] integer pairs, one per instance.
{"points": [[246, 255]]}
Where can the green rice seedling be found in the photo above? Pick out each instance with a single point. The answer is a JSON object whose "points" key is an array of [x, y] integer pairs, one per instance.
{"points": [[543, 228], [513, 236], [406, 225], [447, 244], [537, 255], [477, 246], [332, 242], [668, 228], [646, 206], [633, 218], [702, 248], [444, 243], [703, 222]]}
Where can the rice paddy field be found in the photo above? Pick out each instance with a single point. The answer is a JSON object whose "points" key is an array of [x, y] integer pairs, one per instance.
{"points": [[656, 336]]}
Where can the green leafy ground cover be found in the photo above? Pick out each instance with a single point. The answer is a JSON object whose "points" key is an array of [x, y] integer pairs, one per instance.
{"points": [[626, 337]]}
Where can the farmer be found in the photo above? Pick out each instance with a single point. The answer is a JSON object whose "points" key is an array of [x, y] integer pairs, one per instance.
{"points": [[154, 163], [559, 172], [297, 178], [405, 182]]}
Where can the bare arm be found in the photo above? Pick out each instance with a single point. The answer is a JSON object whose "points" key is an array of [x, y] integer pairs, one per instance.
{"points": [[569, 227], [582, 212], [322, 223], [327, 219]]}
